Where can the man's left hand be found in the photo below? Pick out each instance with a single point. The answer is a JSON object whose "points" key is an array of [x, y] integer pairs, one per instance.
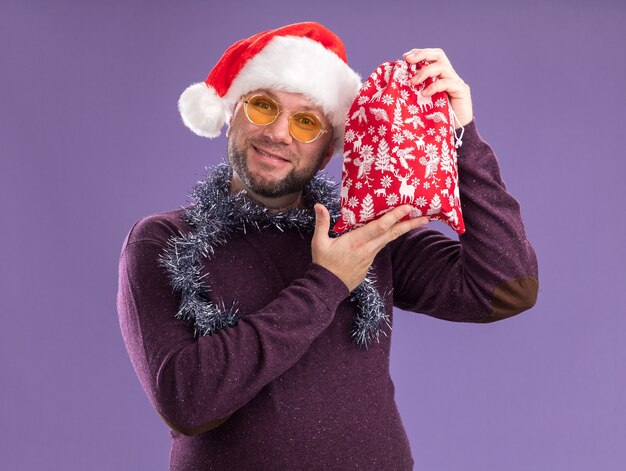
{"points": [[447, 80]]}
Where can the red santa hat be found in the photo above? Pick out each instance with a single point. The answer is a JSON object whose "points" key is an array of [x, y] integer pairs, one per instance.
{"points": [[302, 58]]}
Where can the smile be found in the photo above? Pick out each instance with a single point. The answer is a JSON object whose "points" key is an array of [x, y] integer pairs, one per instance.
{"points": [[270, 156]]}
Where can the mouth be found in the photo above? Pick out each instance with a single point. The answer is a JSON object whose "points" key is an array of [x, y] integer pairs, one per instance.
{"points": [[269, 155]]}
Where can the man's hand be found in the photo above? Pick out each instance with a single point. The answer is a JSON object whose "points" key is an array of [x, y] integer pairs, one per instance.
{"points": [[448, 80], [350, 255]]}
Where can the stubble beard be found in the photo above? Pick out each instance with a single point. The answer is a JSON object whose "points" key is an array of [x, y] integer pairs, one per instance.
{"points": [[292, 183]]}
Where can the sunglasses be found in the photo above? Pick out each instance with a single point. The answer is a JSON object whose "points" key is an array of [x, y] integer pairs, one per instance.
{"points": [[303, 126]]}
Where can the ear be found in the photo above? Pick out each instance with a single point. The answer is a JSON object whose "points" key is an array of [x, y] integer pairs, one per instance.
{"points": [[231, 119], [230, 122], [327, 156], [328, 153]]}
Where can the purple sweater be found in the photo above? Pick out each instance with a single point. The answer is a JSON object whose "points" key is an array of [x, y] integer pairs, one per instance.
{"points": [[287, 388]]}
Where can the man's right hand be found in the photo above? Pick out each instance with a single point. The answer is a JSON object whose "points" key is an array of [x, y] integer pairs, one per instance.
{"points": [[350, 255]]}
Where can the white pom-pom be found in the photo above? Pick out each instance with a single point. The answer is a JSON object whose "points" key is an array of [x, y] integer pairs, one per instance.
{"points": [[203, 110]]}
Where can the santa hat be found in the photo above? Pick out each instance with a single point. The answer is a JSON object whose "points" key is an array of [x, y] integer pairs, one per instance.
{"points": [[302, 58]]}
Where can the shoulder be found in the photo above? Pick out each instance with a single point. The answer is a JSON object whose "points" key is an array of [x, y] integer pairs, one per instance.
{"points": [[158, 228]]}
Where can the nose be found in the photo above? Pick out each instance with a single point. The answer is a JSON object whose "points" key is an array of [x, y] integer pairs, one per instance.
{"points": [[278, 131]]}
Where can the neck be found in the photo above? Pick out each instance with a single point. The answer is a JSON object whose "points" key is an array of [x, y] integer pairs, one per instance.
{"points": [[278, 203]]}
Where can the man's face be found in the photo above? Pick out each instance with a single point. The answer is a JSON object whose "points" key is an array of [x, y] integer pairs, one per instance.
{"points": [[267, 159]]}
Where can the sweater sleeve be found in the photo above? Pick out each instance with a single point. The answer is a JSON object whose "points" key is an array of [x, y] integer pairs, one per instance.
{"points": [[196, 383], [490, 273]]}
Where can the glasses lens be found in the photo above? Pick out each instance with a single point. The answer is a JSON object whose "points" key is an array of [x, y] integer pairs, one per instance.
{"points": [[305, 127], [261, 109]]}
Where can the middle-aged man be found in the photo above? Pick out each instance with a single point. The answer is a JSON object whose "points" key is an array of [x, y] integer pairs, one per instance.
{"points": [[253, 332]]}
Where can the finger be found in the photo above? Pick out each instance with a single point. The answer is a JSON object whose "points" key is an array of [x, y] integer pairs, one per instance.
{"points": [[380, 226], [398, 229], [435, 69], [396, 214], [322, 223], [415, 56], [454, 87]]}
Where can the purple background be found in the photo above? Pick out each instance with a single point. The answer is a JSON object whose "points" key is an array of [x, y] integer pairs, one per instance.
{"points": [[91, 140]]}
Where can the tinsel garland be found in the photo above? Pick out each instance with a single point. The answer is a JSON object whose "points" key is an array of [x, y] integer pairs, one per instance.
{"points": [[215, 214]]}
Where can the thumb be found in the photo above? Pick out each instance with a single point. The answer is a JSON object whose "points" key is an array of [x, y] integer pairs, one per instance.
{"points": [[322, 221]]}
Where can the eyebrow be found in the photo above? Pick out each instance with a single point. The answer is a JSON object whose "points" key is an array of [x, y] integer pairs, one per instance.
{"points": [[315, 110]]}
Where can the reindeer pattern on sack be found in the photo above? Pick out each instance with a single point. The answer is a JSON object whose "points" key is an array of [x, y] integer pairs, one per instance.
{"points": [[399, 148]]}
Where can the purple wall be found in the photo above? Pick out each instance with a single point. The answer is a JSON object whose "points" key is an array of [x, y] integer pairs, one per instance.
{"points": [[90, 141]]}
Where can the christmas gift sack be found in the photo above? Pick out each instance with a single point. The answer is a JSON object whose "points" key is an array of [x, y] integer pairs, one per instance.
{"points": [[399, 148]]}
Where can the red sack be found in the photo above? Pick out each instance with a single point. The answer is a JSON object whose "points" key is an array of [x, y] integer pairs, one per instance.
{"points": [[399, 147]]}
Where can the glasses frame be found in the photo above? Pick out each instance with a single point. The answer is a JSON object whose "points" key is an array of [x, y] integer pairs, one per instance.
{"points": [[323, 130]]}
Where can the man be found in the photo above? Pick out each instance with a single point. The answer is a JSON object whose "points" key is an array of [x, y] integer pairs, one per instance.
{"points": [[239, 311]]}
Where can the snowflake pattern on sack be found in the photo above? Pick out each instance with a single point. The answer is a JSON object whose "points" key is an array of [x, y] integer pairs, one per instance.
{"points": [[399, 148]]}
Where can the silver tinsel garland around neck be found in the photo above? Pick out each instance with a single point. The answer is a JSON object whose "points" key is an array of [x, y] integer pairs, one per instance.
{"points": [[214, 216]]}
